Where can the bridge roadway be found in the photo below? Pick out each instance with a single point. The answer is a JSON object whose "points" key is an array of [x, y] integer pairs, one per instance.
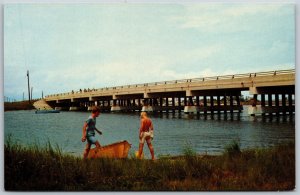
{"points": [[207, 95]]}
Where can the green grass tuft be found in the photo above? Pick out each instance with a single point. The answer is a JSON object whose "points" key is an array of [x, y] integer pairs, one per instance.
{"points": [[233, 149]]}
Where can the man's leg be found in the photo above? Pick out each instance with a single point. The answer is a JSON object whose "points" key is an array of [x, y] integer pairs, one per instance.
{"points": [[150, 148], [140, 150], [97, 144], [86, 150]]}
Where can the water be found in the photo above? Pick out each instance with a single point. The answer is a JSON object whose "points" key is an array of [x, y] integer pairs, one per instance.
{"points": [[173, 132]]}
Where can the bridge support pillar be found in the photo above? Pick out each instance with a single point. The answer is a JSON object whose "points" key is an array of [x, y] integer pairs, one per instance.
{"points": [[147, 109], [211, 104], [74, 108], [218, 104], [190, 109], [116, 108], [276, 103], [255, 110]]}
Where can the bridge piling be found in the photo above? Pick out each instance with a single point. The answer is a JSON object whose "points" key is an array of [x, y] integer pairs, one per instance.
{"points": [[225, 104]]}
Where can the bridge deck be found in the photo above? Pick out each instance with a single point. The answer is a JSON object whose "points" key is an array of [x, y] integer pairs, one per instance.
{"points": [[256, 83]]}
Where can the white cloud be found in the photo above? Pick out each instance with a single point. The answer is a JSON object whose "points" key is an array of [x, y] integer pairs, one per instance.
{"points": [[203, 52], [201, 21], [222, 17], [285, 66], [278, 47], [251, 9], [172, 75]]}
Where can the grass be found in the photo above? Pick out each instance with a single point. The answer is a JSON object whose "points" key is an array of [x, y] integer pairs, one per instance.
{"points": [[48, 169], [233, 149]]}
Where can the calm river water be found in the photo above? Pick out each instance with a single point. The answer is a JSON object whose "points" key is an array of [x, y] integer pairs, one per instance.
{"points": [[173, 132]]}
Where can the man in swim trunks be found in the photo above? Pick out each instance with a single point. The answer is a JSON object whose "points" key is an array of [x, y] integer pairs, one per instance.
{"points": [[146, 134]]}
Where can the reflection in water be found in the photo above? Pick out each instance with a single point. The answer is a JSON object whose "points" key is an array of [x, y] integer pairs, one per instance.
{"points": [[224, 116]]}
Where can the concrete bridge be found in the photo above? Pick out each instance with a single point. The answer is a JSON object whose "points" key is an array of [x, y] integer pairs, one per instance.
{"points": [[273, 92]]}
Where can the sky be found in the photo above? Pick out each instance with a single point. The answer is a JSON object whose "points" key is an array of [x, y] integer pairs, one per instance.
{"points": [[69, 47]]}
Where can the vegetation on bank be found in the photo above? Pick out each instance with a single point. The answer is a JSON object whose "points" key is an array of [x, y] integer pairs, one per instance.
{"points": [[48, 169], [23, 105]]}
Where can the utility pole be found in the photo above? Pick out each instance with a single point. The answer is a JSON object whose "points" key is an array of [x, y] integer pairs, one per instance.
{"points": [[28, 86], [31, 93]]}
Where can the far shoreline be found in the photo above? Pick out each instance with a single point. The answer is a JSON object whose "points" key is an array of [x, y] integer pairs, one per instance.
{"points": [[22, 105]]}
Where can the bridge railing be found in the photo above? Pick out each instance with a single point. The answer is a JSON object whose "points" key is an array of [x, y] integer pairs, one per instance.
{"points": [[193, 80]]}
